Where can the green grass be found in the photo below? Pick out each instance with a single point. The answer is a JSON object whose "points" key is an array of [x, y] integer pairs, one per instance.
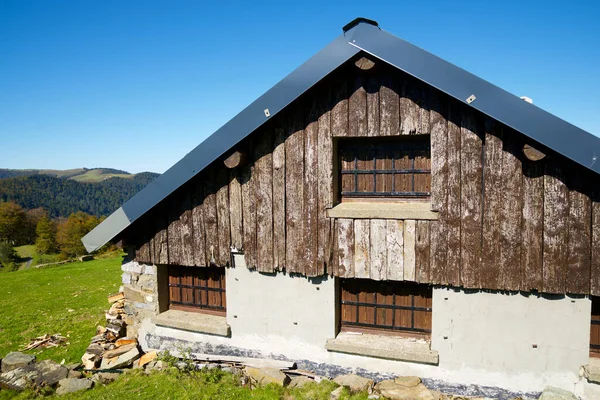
{"points": [[37, 302], [29, 251], [214, 385], [97, 175]]}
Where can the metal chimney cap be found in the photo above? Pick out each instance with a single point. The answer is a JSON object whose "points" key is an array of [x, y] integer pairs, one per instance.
{"points": [[359, 20]]}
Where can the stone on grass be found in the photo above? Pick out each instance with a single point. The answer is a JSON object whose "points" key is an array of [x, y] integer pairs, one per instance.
{"points": [[337, 393], [264, 376], [105, 377], [16, 360], [44, 373], [554, 393], [355, 383], [121, 361], [395, 391], [407, 381], [299, 381], [70, 385]]}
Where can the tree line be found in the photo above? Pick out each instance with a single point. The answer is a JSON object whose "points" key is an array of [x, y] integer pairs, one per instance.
{"points": [[62, 197]]}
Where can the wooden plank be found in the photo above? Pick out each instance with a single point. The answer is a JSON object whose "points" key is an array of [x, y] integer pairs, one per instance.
{"points": [[595, 259], [161, 249], [410, 118], [198, 224], [335, 252], [378, 249], [493, 188], [263, 170], [373, 116], [470, 179], [294, 196], [389, 106], [248, 215], [410, 230], [395, 249], [580, 229], [357, 108], [362, 258], [187, 227], [345, 247], [279, 198], [223, 234], [422, 251], [339, 111], [451, 275], [235, 209], [532, 230], [424, 109], [210, 220], [174, 231], [511, 207], [325, 180], [556, 211], [311, 193]]}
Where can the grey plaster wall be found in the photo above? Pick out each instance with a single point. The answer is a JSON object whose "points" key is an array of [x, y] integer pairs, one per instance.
{"points": [[510, 332]]}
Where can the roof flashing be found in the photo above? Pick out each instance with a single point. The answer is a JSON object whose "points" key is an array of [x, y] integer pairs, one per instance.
{"points": [[357, 21]]}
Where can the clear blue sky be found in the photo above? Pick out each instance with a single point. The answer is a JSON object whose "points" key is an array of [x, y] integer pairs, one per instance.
{"points": [[136, 85]]}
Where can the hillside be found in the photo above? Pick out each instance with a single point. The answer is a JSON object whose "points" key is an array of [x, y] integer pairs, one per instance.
{"points": [[98, 194], [78, 174]]}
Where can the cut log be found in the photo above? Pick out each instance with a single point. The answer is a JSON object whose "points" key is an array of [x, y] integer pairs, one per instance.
{"points": [[236, 159]]}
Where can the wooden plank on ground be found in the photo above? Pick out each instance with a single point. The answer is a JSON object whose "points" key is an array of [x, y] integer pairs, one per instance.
{"points": [[339, 111], [395, 249], [451, 274], [223, 234], [362, 258], [493, 188], [410, 228], [357, 107], [595, 259], [187, 227], [389, 106], [423, 251], [325, 180], [345, 247], [511, 212], [294, 195], [263, 170], [378, 249], [580, 229], [470, 179], [556, 212], [279, 198], [248, 215], [210, 220], [311, 193], [410, 118], [533, 222], [235, 209], [198, 223], [373, 116]]}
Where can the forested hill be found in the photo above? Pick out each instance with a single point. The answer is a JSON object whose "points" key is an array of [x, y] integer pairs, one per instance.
{"points": [[62, 197]]}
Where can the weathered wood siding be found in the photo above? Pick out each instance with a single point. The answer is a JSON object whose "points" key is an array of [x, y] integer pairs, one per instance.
{"points": [[504, 222]]}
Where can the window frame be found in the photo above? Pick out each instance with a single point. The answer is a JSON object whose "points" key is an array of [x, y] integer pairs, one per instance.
{"points": [[204, 286]]}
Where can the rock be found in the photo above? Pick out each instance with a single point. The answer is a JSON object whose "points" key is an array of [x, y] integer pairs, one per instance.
{"points": [[75, 374], [105, 377], [337, 393], [355, 383], [553, 393], [373, 397], [16, 360], [299, 381], [89, 360], [44, 373], [407, 381], [70, 385], [95, 349], [97, 338], [123, 360], [395, 391], [264, 376]]}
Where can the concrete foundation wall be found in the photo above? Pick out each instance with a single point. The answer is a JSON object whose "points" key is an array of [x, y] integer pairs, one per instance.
{"points": [[510, 332]]}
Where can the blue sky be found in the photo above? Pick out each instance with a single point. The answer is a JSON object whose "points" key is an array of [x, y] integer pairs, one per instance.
{"points": [[136, 85]]}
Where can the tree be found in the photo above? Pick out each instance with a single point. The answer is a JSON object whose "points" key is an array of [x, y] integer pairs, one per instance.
{"points": [[46, 236], [12, 223], [70, 231], [7, 254], [32, 218]]}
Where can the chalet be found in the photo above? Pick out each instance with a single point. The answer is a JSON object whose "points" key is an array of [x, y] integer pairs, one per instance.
{"points": [[380, 209]]}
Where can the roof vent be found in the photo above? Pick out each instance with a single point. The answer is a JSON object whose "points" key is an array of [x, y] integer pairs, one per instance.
{"points": [[359, 20], [527, 99]]}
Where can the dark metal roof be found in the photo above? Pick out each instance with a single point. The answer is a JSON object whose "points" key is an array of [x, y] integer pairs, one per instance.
{"points": [[360, 34]]}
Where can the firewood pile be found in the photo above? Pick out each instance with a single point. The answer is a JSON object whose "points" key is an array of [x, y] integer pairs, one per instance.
{"points": [[45, 341], [110, 348]]}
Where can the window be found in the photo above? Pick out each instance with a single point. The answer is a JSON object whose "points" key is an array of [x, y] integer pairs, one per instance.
{"points": [[395, 168], [386, 306], [595, 327], [197, 289]]}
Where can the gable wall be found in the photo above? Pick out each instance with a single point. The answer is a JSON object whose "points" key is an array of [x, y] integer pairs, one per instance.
{"points": [[505, 223]]}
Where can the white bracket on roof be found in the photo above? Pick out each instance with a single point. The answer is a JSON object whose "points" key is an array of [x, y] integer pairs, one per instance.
{"points": [[267, 113], [471, 99]]}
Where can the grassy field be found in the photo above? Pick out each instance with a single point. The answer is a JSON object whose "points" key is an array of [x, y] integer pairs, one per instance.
{"points": [[68, 299], [29, 252], [97, 175]]}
